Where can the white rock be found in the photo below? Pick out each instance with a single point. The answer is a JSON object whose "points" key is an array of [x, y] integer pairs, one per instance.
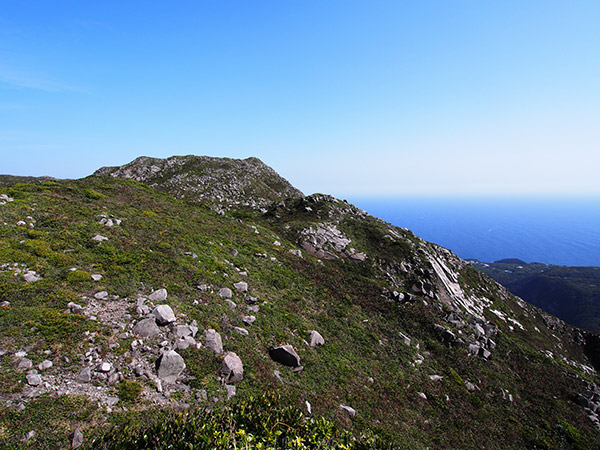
{"points": [[101, 295], [241, 286], [225, 293], [96, 277], [99, 238], [159, 295], [351, 411], [164, 314]]}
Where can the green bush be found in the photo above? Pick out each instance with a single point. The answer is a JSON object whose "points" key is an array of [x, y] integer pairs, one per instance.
{"points": [[129, 391], [77, 276]]}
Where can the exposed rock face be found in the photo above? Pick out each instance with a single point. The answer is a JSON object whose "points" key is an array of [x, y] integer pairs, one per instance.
{"points": [[220, 181], [285, 355], [170, 365], [232, 368]]}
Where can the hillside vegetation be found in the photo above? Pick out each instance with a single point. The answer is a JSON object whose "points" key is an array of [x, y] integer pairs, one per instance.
{"points": [[571, 293], [130, 318]]}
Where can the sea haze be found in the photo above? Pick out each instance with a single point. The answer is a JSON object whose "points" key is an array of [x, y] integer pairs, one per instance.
{"points": [[563, 231]]}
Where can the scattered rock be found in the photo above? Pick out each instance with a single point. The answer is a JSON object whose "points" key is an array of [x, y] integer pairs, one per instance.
{"points": [[232, 368], [163, 313], [104, 367], [213, 341], [160, 295], [146, 327], [230, 391], [96, 277], [30, 276], [75, 308], [44, 365], [182, 331], [170, 365], [25, 363], [351, 411], [278, 375], [248, 320], [404, 338], [34, 379], [230, 304], [225, 293], [84, 375], [286, 355], [77, 439], [296, 252], [101, 295], [308, 406], [316, 338], [99, 238], [241, 331], [241, 286]]}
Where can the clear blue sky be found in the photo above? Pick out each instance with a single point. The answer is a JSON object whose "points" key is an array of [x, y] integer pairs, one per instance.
{"points": [[343, 97]]}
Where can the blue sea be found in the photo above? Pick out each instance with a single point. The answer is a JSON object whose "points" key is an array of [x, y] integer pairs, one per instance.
{"points": [[564, 231]]}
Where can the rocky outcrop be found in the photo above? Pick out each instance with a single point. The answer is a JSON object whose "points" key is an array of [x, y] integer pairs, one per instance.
{"points": [[222, 182]]}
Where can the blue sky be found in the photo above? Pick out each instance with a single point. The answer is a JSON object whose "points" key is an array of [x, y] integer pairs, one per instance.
{"points": [[343, 97]]}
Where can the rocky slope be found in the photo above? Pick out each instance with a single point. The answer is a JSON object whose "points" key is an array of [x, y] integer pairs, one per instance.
{"points": [[221, 182], [120, 302], [571, 293]]}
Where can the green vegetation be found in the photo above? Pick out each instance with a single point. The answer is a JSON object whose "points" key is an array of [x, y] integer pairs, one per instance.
{"points": [[178, 244]]}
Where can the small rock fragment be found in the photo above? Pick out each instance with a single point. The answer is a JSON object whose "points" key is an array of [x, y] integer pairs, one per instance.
{"points": [[350, 411]]}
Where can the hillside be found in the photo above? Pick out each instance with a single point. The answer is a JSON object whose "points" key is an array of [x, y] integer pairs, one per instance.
{"points": [[122, 304], [571, 293]]}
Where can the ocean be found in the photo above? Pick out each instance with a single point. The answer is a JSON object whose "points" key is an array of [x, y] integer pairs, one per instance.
{"points": [[563, 231]]}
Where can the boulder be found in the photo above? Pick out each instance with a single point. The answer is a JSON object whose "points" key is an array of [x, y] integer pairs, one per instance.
{"points": [[170, 365], [146, 327], [230, 304], [241, 286], [232, 368], [101, 295], [225, 293], [213, 341], [34, 379], [160, 295], [182, 331], [164, 314], [286, 355], [316, 338]]}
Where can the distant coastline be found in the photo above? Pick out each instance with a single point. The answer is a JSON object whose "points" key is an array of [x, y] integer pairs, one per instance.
{"points": [[562, 231]]}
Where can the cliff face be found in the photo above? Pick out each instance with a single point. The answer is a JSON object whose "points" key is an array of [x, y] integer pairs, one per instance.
{"points": [[117, 298]]}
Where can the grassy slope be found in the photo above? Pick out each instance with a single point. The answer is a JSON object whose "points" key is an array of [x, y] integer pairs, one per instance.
{"points": [[342, 300]]}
